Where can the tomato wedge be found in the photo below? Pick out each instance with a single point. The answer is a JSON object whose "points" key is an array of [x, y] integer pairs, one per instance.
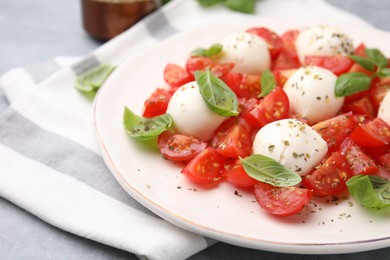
{"points": [[274, 106], [329, 177], [373, 134], [285, 201], [335, 129], [235, 174], [275, 43], [176, 76], [378, 91], [234, 142], [359, 162], [338, 64], [362, 106], [206, 168], [157, 103], [203, 63], [179, 148], [243, 85]]}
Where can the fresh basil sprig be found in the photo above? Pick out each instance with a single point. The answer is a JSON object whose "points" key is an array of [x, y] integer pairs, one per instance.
{"points": [[217, 95], [142, 128], [267, 82], [89, 82], [244, 6], [265, 169], [370, 191], [350, 83], [211, 52]]}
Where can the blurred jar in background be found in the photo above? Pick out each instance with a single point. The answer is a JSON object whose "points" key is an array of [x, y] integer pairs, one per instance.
{"points": [[104, 19]]}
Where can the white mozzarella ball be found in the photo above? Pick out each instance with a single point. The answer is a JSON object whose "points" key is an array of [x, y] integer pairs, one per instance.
{"points": [[384, 109], [190, 113], [322, 40], [247, 51], [310, 91], [292, 143]]}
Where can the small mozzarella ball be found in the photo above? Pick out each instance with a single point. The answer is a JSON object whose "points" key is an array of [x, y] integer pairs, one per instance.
{"points": [[247, 51], [322, 40], [310, 91], [384, 109], [190, 113], [292, 143]]}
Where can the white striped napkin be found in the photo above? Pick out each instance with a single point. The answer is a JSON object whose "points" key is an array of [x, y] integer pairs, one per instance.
{"points": [[50, 163]]}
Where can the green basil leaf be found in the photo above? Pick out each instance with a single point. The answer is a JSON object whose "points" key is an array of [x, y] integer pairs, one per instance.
{"points": [[91, 81], [370, 191], [211, 52], [142, 128], [265, 169], [377, 57], [208, 3], [364, 62], [267, 82], [243, 6], [217, 95], [350, 83], [384, 73]]}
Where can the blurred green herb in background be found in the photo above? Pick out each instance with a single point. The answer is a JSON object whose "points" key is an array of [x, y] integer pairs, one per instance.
{"points": [[243, 6]]}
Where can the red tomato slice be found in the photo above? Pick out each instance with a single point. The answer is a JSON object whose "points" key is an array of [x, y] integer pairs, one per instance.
{"points": [[243, 85], [275, 43], [378, 91], [176, 76], [286, 60], [357, 68], [234, 142], [338, 64], [361, 50], [285, 201], [329, 177], [157, 103], [203, 63], [288, 39], [235, 174], [274, 106], [206, 168], [362, 106], [373, 134], [179, 148], [359, 162], [336, 129], [385, 161], [246, 104]]}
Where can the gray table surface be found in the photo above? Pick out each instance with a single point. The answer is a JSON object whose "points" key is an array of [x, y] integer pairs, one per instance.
{"points": [[35, 30]]}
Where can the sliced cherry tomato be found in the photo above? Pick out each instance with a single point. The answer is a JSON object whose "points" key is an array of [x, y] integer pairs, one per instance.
{"points": [[286, 60], [281, 76], [235, 174], [274, 106], [359, 162], [372, 134], [288, 39], [338, 64], [206, 168], [176, 76], [234, 142], [361, 50], [157, 103], [203, 63], [246, 104], [362, 106], [179, 148], [336, 129], [357, 68], [385, 161], [378, 91], [243, 85], [329, 177], [285, 201], [275, 43]]}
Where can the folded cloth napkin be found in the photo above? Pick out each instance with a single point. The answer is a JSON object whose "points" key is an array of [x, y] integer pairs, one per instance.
{"points": [[50, 163]]}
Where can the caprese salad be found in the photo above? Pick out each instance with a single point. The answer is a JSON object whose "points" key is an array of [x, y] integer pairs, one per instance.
{"points": [[288, 116]]}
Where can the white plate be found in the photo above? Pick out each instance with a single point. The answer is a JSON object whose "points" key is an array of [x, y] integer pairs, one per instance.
{"points": [[324, 228]]}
